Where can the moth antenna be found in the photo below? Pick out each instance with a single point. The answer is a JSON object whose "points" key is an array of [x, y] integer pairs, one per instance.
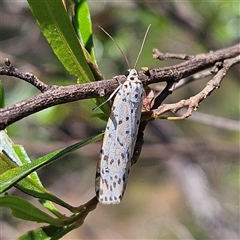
{"points": [[144, 39], [116, 44]]}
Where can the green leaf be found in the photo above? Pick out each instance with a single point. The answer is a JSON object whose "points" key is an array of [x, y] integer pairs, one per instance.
{"points": [[32, 184], [75, 221], [101, 116], [25, 210], [32, 188], [48, 232], [7, 147], [57, 28], [12, 176], [83, 26], [24, 158]]}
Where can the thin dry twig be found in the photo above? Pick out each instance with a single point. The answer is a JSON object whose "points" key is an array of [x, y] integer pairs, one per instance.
{"points": [[10, 70], [193, 102], [165, 56]]}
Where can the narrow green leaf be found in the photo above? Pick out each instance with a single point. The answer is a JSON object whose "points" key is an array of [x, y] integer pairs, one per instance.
{"points": [[24, 158], [57, 28], [32, 184], [25, 210], [32, 188], [75, 221], [83, 26], [12, 176], [7, 146], [47, 233]]}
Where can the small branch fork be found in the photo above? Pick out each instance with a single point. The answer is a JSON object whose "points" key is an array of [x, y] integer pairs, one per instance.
{"points": [[175, 76], [220, 68], [10, 70], [193, 102]]}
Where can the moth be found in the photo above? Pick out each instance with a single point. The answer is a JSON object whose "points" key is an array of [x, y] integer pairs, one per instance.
{"points": [[120, 137]]}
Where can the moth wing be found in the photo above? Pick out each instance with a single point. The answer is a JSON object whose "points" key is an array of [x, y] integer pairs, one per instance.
{"points": [[118, 144]]}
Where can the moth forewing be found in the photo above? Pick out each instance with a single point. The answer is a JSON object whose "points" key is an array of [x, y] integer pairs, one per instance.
{"points": [[119, 141], [120, 137]]}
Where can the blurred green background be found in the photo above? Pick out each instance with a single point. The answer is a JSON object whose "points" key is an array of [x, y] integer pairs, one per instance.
{"points": [[185, 184]]}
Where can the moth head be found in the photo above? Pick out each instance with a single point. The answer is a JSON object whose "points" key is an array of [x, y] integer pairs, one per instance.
{"points": [[131, 73]]}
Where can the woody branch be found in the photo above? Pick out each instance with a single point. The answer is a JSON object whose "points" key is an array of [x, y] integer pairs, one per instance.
{"points": [[193, 102], [55, 95]]}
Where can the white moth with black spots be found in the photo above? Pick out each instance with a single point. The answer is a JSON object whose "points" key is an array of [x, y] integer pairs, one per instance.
{"points": [[120, 138], [119, 141]]}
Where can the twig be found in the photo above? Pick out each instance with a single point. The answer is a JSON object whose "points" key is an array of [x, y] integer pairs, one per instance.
{"points": [[171, 86], [192, 66], [56, 95], [187, 80], [194, 77], [164, 94], [165, 56], [10, 70], [193, 102]]}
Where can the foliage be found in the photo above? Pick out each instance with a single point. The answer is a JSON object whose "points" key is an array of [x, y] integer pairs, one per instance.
{"points": [[69, 33], [16, 167]]}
